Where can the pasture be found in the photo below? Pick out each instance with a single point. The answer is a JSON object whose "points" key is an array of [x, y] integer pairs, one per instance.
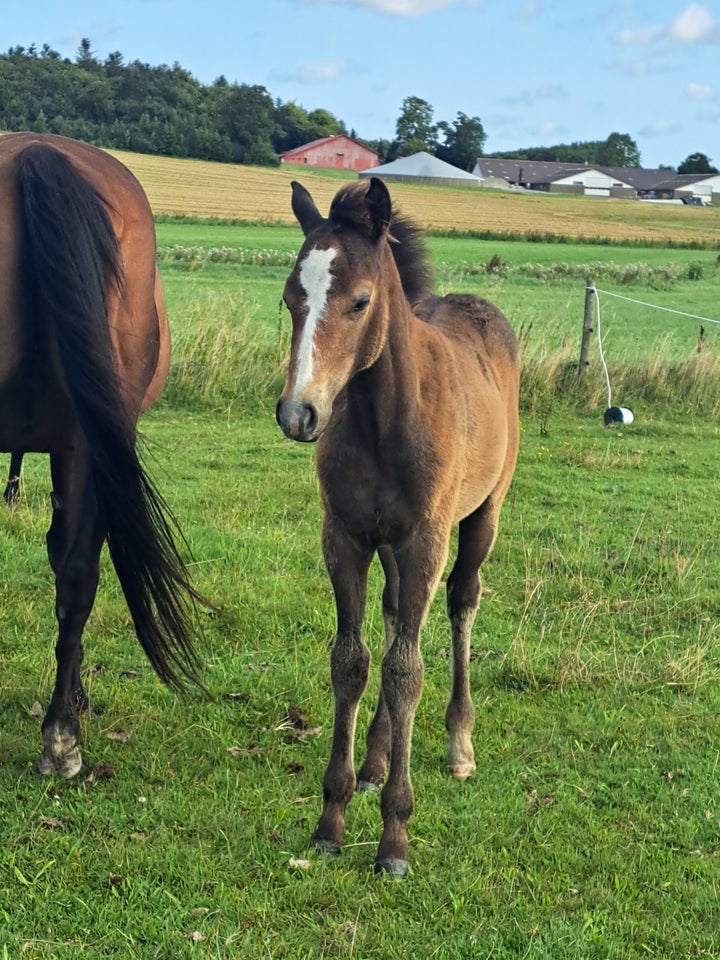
{"points": [[592, 826]]}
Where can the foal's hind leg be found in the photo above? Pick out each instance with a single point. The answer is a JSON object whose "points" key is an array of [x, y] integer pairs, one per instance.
{"points": [[372, 773], [74, 542], [350, 658], [475, 540]]}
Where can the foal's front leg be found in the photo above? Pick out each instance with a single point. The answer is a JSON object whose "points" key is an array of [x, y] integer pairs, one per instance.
{"points": [[372, 773], [347, 566], [419, 565]]}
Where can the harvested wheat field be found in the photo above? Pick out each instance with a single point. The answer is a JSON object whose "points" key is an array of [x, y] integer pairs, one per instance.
{"points": [[259, 194]]}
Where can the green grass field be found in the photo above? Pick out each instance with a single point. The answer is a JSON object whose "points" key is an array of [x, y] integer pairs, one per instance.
{"points": [[592, 827]]}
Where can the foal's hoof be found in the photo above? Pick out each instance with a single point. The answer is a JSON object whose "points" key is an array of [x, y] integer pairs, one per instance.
{"points": [[368, 786], [461, 771], [392, 866], [329, 847]]}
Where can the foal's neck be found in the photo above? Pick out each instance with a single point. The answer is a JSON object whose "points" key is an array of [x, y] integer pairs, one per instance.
{"points": [[383, 399]]}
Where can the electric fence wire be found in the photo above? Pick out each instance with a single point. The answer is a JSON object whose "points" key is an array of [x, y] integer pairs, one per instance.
{"points": [[653, 306], [600, 348], [607, 293]]}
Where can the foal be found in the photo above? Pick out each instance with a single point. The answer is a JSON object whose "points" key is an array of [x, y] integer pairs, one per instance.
{"points": [[413, 399]]}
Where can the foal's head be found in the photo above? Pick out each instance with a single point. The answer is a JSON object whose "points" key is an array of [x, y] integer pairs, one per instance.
{"points": [[338, 295]]}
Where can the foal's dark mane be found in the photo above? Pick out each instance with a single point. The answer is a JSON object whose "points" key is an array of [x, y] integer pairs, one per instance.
{"points": [[406, 238]]}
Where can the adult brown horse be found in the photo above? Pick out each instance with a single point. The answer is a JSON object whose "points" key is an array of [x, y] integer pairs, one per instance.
{"points": [[84, 348], [413, 399]]}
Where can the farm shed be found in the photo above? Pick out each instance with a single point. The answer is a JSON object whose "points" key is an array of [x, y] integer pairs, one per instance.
{"points": [[423, 168], [339, 152], [702, 185], [597, 181], [553, 177]]}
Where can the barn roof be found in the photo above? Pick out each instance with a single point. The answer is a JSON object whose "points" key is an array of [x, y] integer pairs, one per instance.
{"points": [[324, 140]]}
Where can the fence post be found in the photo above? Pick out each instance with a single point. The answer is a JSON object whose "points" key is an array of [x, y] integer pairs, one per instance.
{"points": [[586, 330]]}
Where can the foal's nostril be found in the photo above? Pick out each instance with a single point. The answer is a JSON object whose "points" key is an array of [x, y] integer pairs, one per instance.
{"points": [[309, 419], [297, 420]]}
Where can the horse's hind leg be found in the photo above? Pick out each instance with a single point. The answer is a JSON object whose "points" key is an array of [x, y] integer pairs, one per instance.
{"points": [[74, 542], [12, 490], [372, 773], [475, 540]]}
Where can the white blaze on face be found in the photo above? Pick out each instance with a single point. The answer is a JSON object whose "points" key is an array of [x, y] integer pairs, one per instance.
{"points": [[315, 278]]}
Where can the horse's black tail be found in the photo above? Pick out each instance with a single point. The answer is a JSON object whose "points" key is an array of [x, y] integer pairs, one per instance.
{"points": [[70, 262]]}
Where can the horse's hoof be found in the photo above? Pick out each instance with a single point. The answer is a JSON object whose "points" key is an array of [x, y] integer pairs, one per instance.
{"points": [[61, 754], [329, 847], [367, 786], [65, 766], [461, 771], [392, 866]]}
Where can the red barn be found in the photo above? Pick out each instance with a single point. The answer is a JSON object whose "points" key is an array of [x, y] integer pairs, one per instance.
{"points": [[340, 152]]}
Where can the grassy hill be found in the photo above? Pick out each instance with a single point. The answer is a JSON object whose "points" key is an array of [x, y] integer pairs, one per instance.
{"points": [[258, 194]]}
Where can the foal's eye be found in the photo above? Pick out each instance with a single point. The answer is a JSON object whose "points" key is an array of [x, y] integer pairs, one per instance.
{"points": [[360, 304]]}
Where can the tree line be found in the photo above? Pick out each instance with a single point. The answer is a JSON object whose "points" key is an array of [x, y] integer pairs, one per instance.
{"points": [[157, 110], [166, 110]]}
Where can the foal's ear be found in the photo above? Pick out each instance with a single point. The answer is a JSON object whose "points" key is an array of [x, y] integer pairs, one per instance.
{"points": [[303, 206], [379, 206]]}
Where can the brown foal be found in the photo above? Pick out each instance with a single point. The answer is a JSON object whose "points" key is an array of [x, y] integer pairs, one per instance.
{"points": [[413, 399]]}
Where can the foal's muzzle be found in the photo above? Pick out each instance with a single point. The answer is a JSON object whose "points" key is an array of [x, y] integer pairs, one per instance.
{"points": [[298, 421]]}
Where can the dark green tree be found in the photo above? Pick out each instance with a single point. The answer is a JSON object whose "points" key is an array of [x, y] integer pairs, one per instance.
{"points": [[415, 129], [697, 163], [247, 116], [294, 126], [323, 124], [619, 150], [85, 58], [464, 141]]}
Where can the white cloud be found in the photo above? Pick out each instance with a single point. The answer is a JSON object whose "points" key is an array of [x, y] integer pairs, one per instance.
{"points": [[642, 37], [527, 98], [633, 68], [546, 129], [530, 10], [700, 91], [399, 8], [659, 128], [318, 72], [694, 25]]}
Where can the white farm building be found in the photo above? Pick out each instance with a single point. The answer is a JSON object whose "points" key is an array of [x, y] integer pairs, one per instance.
{"points": [[597, 181]]}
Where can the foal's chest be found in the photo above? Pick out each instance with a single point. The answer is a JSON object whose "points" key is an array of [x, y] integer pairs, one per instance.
{"points": [[379, 495]]}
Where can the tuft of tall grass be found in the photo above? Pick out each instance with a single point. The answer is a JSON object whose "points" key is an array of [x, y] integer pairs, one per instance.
{"points": [[640, 274], [692, 384], [549, 376], [198, 256], [222, 359]]}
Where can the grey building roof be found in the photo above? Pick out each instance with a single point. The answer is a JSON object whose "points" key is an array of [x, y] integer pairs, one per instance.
{"points": [[547, 171], [420, 165]]}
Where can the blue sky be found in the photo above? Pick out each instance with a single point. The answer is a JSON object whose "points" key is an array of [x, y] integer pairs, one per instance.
{"points": [[534, 71]]}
